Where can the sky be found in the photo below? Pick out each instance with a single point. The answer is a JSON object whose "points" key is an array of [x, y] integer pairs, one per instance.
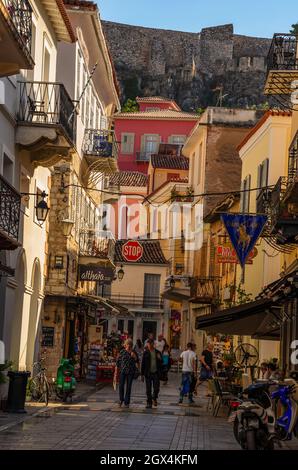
{"points": [[261, 18]]}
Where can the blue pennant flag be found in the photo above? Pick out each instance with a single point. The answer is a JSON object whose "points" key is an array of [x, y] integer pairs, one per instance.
{"points": [[244, 231]]}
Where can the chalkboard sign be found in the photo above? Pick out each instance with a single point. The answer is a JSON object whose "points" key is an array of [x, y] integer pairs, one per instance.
{"points": [[48, 333]]}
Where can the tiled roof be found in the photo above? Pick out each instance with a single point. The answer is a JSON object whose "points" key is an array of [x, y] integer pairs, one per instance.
{"points": [[152, 253], [153, 99], [170, 162], [160, 114], [129, 178]]}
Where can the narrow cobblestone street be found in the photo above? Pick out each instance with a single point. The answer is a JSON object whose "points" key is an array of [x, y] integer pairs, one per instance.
{"points": [[98, 424]]}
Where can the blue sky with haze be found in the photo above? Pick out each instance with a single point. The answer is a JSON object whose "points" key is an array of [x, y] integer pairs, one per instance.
{"points": [[254, 17]]}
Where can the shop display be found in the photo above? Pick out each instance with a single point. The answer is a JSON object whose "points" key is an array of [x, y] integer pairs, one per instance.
{"points": [[102, 357]]}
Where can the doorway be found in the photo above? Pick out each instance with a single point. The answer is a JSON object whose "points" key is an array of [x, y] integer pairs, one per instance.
{"points": [[149, 327]]}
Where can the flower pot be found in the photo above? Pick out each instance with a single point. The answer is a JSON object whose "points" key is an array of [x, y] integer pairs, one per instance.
{"points": [[4, 391]]}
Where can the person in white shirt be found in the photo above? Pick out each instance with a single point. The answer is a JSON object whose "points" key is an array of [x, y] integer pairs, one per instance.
{"points": [[188, 358], [160, 343]]}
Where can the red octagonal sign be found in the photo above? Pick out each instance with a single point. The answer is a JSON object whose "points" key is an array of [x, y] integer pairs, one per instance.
{"points": [[132, 251]]}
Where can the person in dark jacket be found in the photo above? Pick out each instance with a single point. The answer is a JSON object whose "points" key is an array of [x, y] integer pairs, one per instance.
{"points": [[126, 365], [151, 370]]}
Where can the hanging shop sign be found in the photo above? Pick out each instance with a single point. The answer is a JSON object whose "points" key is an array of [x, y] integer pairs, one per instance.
{"points": [[225, 253], [244, 231], [94, 273]]}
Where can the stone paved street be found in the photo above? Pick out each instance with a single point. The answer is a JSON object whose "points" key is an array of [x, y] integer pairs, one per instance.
{"points": [[98, 423]]}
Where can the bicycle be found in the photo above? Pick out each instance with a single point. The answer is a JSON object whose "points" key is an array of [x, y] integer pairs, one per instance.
{"points": [[39, 386]]}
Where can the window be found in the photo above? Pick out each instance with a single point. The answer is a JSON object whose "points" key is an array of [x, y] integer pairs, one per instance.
{"points": [[262, 175], [130, 327], [127, 143], [245, 194], [200, 158], [8, 168], [120, 326], [177, 139], [151, 290], [172, 176], [150, 144], [79, 75]]}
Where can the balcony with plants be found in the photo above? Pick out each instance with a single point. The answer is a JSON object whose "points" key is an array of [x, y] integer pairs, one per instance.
{"points": [[96, 245], [16, 36]]}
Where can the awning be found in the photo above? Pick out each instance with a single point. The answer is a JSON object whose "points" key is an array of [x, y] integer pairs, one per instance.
{"points": [[259, 319]]}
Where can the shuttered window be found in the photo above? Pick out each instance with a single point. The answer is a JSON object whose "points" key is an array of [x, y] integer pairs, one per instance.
{"points": [[245, 195], [127, 143]]}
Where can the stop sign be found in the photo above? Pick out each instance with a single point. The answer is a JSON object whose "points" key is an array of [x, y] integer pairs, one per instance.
{"points": [[132, 251]]}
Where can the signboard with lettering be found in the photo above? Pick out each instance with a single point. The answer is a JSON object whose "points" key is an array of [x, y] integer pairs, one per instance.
{"points": [[94, 273], [48, 334], [225, 253]]}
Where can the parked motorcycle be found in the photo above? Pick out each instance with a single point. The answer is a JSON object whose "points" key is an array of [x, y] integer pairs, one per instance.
{"points": [[266, 416], [65, 382]]}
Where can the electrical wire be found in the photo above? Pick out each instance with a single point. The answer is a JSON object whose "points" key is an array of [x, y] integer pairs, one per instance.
{"points": [[146, 198]]}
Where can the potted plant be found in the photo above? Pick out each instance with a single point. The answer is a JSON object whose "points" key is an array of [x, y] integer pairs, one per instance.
{"points": [[4, 383], [228, 359]]}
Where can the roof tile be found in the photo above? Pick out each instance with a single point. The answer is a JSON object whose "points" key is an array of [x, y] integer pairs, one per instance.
{"points": [[129, 178], [170, 162]]}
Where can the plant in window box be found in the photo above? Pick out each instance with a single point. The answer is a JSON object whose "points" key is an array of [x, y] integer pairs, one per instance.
{"points": [[174, 195]]}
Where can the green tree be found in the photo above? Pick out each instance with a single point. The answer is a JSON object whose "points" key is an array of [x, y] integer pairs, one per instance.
{"points": [[294, 29], [130, 106]]}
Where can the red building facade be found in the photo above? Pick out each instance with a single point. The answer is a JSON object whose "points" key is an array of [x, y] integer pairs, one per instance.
{"points": [[159, 121]]}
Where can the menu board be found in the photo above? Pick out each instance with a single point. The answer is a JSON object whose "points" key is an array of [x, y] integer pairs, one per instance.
{"points": [[48, 333]]}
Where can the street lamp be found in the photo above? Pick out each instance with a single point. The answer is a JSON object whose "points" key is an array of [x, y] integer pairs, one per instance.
{"points": [[42, 208], [67, 226], [120, 273], [172, 282]]}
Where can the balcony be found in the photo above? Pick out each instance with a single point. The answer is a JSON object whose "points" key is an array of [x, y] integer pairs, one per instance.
{"points": [[10, 205], [15, 36], [182, 193], [46, 121], [283, 214], [100, 150], [137, 301], [282, 64], [205, 290], [96, 247]]}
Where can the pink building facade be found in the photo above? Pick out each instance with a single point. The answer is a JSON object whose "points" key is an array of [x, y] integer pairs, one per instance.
{"points": [[140, 134]]}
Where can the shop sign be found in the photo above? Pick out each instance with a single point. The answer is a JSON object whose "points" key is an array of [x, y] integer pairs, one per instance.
{"points": [[225, 253], [95, 273], [48, 334], [244, 231]]}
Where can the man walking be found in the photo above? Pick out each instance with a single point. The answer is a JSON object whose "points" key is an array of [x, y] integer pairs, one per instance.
{"points": [[188, 358], [151, 370], [206, 361]]}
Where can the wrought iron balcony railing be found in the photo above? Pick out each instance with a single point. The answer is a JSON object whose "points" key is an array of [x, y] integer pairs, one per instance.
{"points": [[100, 143], [10, 206], [263, 201], [97, 244], [141, 301], [205, 290], [283, 52], [47, 103], [19, 12]]}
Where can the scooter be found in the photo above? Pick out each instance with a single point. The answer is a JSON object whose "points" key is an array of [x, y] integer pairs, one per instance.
{"points": [[65, 382], [255, 423]]}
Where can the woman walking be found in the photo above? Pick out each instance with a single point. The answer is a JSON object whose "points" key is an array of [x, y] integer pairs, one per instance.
{"points": [[126, 365]]}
